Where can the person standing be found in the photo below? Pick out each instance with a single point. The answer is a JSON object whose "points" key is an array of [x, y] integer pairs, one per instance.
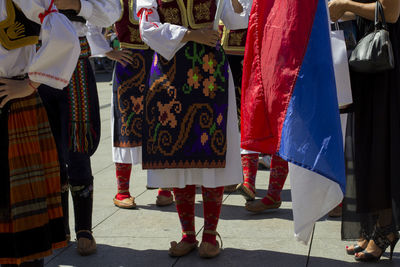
{"points": [[31, 223], [233, 42], [131, 77], [190, 122], [375, 142], [79, 118]]}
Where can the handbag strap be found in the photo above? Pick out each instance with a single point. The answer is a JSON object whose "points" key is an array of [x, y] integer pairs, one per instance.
{"points": [[379, 11]]}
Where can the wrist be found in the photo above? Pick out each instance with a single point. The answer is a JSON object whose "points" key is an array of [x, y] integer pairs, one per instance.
{"points": [[346, 5], [187, 37]]}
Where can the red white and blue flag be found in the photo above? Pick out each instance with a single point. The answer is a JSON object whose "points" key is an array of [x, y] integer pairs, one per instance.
{"points": [[289, 103]]}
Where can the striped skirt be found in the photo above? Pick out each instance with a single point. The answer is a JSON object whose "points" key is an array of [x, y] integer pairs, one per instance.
{"points": [[31, 224]]}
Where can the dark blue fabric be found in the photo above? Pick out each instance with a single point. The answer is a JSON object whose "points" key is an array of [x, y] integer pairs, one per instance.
{"points": [[311, 135]]}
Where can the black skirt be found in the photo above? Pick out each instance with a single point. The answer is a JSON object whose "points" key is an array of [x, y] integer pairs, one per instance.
{"points": [[373, 143]]}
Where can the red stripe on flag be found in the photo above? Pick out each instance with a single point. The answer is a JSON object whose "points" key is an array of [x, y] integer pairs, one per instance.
{"points": [[276, 43]]}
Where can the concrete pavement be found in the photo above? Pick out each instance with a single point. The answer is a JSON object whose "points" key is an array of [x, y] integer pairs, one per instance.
{"points": [[141, 237]]}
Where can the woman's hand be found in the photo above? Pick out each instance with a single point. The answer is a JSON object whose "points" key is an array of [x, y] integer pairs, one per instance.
{"points": [[337, 8], [237, 6], [68, 4], [122, 56], [13, 89], [202, 36]]}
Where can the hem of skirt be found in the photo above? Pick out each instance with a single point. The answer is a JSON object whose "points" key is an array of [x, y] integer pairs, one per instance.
{"points": [[183, 185], [35, 256], [185, 164], [127, 144]]}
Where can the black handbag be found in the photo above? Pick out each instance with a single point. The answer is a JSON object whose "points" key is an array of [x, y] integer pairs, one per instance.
{"points": [[374, 52]]}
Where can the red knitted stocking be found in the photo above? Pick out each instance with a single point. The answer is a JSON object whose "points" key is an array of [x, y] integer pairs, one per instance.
{"points": [[277, 178], [184, 198], [212, 202], [250, 165], [123, 172]]}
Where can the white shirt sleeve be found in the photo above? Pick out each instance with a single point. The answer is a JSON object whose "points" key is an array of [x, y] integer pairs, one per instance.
{"points": [[164, 38], [234, 21], [99, 46], [102, 13], [55, 61]]}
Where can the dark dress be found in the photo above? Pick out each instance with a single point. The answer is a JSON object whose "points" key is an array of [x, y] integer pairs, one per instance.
{"points": [[373, 143]]}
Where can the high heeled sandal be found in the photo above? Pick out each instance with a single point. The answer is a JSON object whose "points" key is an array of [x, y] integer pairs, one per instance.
{"points": [[246, 192], [86, 242], [380, 238], [356, 248], [208, 250], [182, 248]]}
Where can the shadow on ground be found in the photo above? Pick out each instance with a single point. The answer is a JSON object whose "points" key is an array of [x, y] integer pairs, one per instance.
{"points": [[111, 256], [230, 212], [108, 256], [238, 257]]}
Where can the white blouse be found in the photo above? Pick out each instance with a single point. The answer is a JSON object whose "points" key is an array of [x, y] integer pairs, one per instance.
{"points": [[55, 61], [102, 13], [165, 38], [98, 13], [99, 46]]}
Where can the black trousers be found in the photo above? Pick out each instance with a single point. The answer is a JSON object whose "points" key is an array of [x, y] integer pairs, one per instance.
{"points": [[75, 167]]}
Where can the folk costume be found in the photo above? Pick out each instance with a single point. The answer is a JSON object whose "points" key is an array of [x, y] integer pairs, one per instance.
{"points": [[233, 42], [190, 134], [79, 129], [127, 106], [31, 223]]}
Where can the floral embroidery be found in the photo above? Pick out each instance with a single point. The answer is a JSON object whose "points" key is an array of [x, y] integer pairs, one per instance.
{"points": [[209, 87], [194, 77], [137, 106], [166, 116], [209, 63], [186, 110], [128, 101]]}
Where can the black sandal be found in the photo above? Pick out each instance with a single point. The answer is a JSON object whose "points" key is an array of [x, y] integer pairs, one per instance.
{"points": [[356, 248], [380, 237]]}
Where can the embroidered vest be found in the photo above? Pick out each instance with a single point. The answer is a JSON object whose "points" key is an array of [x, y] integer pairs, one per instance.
{"points": [[234, 41], [193, 14], [127, 27], [73, 16], [16, 30]]}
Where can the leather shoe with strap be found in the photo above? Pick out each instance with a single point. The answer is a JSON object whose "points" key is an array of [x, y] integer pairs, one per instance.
{"points": [[163, 201], [208, 250], [86, 243], [259, 205], [126, 203], [182, 248]]}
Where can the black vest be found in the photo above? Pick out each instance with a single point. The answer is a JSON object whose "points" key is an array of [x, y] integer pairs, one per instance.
{"points": [[17, 30]]}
